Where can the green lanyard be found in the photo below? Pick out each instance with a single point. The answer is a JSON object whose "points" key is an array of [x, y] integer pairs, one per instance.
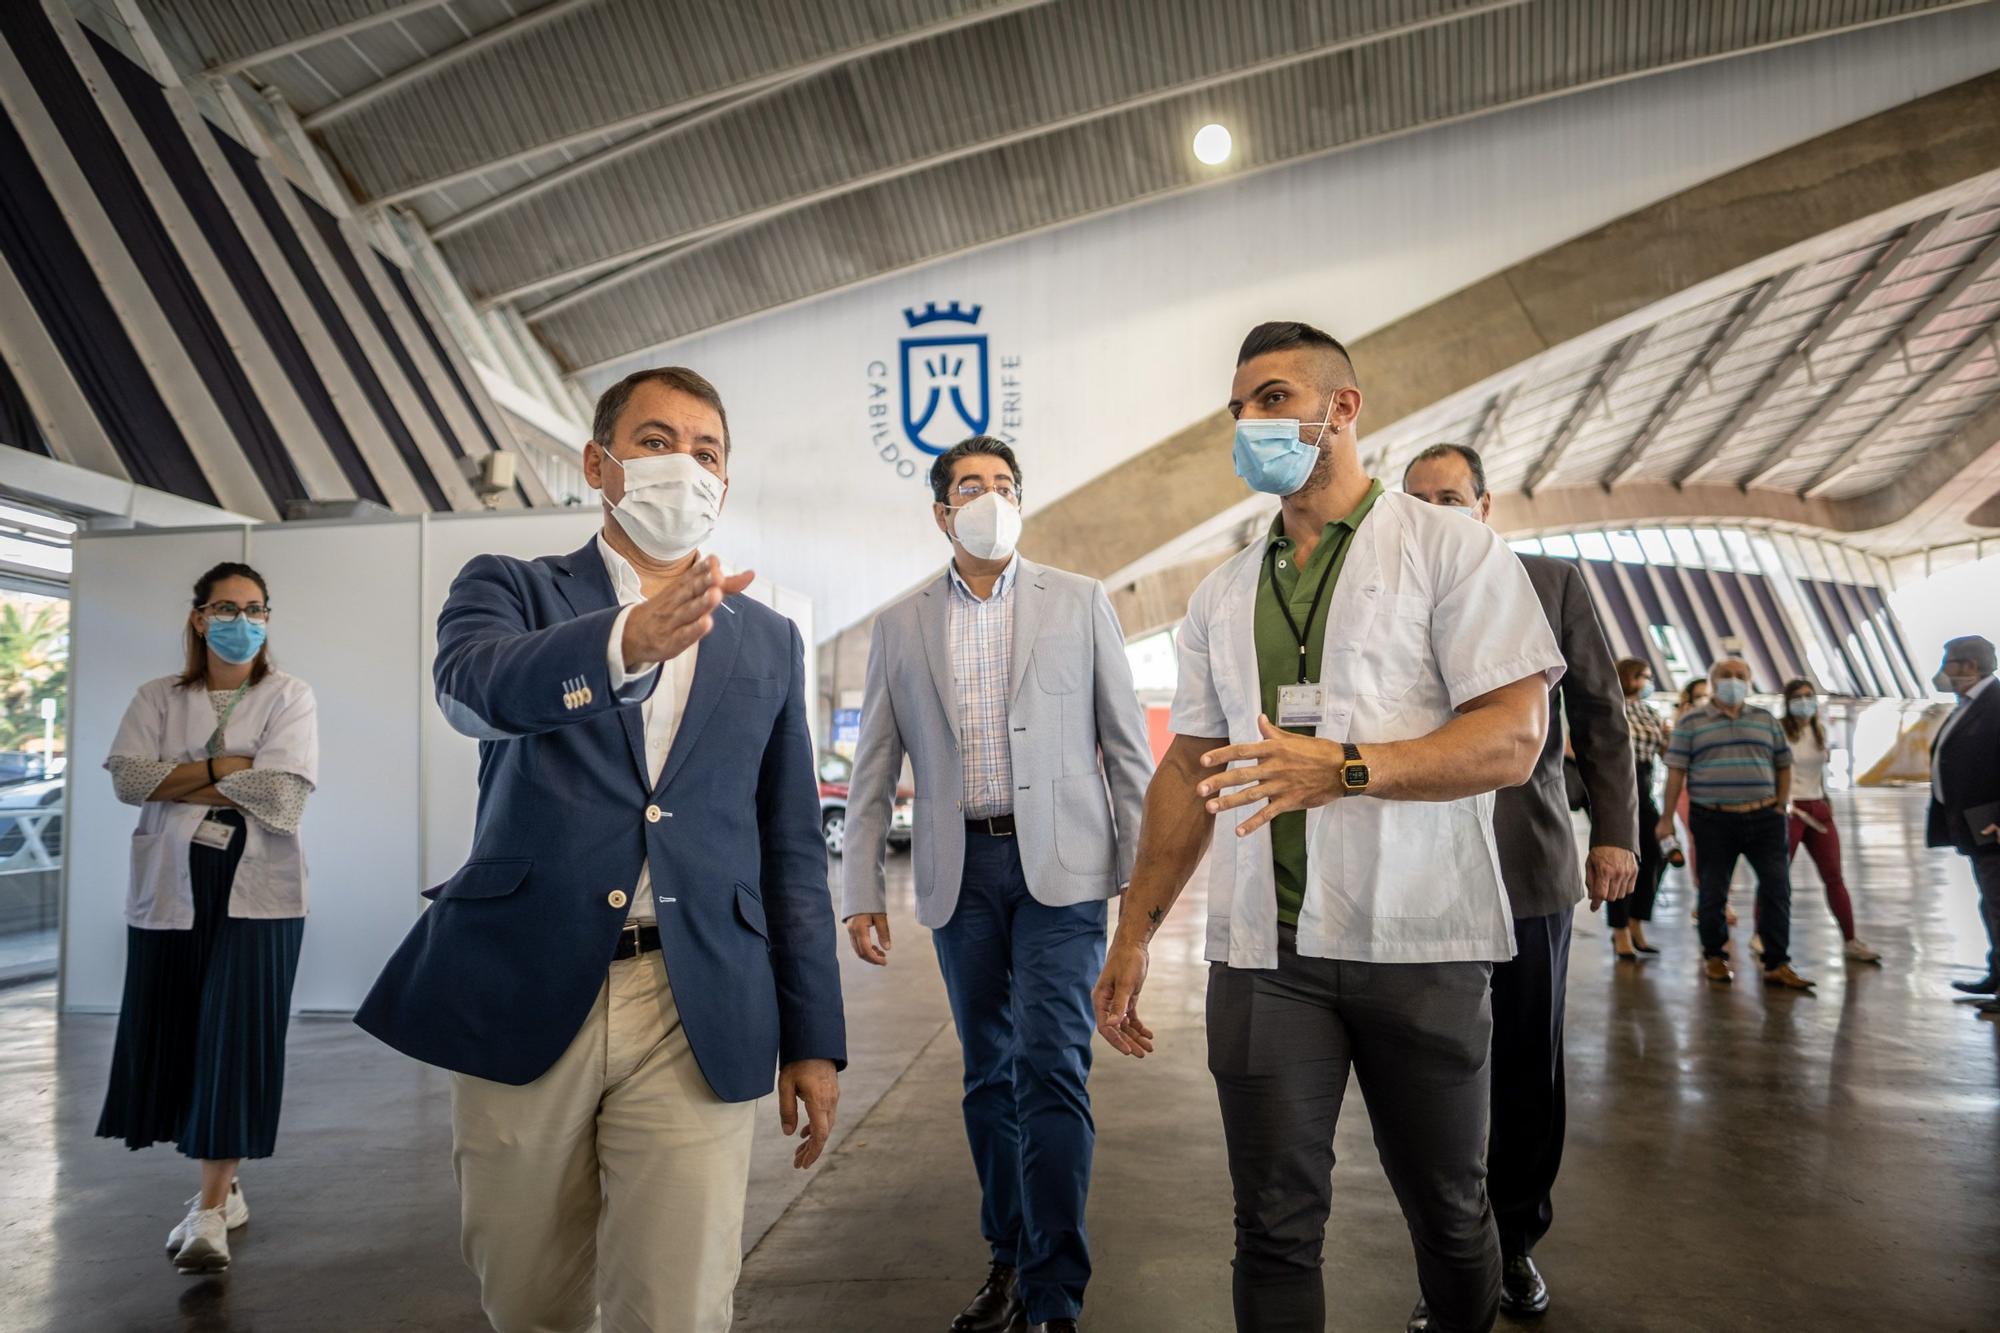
{"points": [[222, 720], [1304, 636]]}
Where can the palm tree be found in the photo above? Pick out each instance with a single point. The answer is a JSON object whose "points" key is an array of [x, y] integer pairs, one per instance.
{"points": [[34, 665]]}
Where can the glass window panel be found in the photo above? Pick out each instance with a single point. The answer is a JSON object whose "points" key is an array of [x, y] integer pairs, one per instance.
{"points": [[1714, 555], [1659, 551], [1527, 545], [1560, 546], [1155, 666], [1625, 546], [1593, 546], [1738, 542], [1686, 550]]}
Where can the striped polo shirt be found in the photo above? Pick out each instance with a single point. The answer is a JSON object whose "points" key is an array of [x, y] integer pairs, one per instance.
{"points": [[1729, 761]]}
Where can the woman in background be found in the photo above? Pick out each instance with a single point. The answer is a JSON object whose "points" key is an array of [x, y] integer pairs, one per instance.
{"points": [[219, 759], [1628, 916], [1811, 818]]}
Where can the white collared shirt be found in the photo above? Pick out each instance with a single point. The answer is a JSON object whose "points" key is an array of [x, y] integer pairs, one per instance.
{"points": [[662, 710], [1429, 612], [981, 636], [1937, 750]]}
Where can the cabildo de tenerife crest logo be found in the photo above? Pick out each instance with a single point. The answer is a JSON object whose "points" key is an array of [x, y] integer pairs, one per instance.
{"points": [[946, 383]]}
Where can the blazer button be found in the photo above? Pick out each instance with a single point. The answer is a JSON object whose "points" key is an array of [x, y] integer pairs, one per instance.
{"points": [[616, 898], [652, 814]]}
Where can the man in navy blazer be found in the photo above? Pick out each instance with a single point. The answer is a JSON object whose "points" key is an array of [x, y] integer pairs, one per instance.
{"points": [[643, 932]]}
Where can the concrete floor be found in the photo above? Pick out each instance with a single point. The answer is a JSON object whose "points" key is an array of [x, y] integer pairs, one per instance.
{"points": [[1737, 1159]]}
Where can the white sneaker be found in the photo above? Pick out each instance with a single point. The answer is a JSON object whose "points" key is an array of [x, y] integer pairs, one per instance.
{"points": [[207, 1247], [235, 1212], [1858, 952]]}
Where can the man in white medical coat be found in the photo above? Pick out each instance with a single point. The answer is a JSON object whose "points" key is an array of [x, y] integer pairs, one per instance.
{"points": [[1353, 688]]}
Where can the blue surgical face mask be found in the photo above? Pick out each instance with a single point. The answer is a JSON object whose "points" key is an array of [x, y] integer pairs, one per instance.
{"points": [[1729, 691], [1802, 707], [1470, 511], [1272, 458], [236, 641]]}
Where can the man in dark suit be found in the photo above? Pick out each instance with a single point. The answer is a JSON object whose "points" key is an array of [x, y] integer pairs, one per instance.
{"points": [[1538, 865], [643, 932], [1965, 789]]}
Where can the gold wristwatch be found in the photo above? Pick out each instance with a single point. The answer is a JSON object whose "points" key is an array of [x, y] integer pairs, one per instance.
{"points": [[1353, 773]]}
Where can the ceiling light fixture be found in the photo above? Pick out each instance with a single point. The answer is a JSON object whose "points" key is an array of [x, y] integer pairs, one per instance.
{"points": [[1212, 145]]}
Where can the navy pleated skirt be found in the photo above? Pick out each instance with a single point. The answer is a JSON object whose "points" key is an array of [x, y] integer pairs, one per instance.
{"points": [[200, 1056]]}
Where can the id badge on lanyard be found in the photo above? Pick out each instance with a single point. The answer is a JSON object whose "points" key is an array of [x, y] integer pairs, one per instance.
{"points": [[214, 833], [1302, 704]]}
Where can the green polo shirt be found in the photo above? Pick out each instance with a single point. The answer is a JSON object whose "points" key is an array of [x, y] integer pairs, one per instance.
{"points": [[1278, 660]]}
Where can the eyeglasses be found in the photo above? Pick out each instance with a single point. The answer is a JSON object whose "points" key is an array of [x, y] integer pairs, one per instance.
{"points": [[972, 490], [226, 613]]}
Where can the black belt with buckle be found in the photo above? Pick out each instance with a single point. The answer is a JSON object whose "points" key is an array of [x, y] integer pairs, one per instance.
{"points": [[636, 939], [994, 826]]}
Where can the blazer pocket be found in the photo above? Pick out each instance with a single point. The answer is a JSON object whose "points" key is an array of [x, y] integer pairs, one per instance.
{"points": [[764, 687], [751, 909], [484, 879], [1061, 663], [1084, 843]]}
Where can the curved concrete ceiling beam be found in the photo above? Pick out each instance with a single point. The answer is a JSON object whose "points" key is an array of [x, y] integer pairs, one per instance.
{"points": [[1693, 246]]}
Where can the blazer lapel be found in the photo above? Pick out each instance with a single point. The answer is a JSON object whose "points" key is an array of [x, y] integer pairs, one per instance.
{"points": [[586, 586], [714, 664], [935, 613], [1029, 595]]}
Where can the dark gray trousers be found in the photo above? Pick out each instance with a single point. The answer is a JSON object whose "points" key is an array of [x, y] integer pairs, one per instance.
{"points": [[1416, 1035]]}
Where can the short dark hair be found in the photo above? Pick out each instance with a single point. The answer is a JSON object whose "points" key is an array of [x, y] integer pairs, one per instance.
{"points": [[611, 403], [1282, 335], [979, 446], [1464, 451], [1974, 649]]}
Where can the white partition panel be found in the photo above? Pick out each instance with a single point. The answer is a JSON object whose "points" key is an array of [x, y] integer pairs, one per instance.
{"points": [[344, 620], [356, 618], [129, 597], [451, 761]]}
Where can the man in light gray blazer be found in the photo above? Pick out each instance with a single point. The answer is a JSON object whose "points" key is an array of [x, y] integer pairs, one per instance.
{"points": [[1006, 684]]}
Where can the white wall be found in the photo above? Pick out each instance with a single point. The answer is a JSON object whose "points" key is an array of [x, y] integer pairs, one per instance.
{"points": [[355, 614], [1127, 325]]}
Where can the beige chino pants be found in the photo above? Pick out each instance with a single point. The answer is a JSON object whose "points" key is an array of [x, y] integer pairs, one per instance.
{"points": [[612, 1186]]}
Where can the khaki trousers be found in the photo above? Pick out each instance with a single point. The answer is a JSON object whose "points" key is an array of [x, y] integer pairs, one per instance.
{"points": [[612, 1186]]}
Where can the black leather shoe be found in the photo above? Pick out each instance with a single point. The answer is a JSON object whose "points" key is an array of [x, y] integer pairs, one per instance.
{"points": [[1054, 1326], [1991, 1009], [997, 1307], [1983, 986], [1420, 1318], [1523, 1294]]}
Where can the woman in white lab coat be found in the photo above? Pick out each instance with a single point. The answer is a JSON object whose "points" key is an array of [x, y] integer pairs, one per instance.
{"points": [[220, 760]]}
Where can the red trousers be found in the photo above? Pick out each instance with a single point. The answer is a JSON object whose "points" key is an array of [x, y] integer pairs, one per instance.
{"points": [[1824, 848]]}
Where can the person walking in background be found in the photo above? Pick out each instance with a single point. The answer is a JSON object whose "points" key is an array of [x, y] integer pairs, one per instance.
{"points": [[1965, 789], [1734, 764], [1629, 916], [1693, 695], [1007, 684], [1531, 825], [1811, 818], [219, 759]]}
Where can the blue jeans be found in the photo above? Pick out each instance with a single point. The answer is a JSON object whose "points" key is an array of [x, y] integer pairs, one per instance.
{"points": [[1019, 975]]}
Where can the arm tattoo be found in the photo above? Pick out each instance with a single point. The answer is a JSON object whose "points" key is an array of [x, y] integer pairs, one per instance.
{"points": [[1155, 916]]}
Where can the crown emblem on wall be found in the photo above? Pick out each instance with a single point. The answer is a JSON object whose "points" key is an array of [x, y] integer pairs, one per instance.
{"points": [[930, 314]]}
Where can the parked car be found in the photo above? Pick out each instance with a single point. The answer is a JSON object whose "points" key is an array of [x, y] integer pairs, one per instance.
{"points": [[834, 772], [34, 806]]}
